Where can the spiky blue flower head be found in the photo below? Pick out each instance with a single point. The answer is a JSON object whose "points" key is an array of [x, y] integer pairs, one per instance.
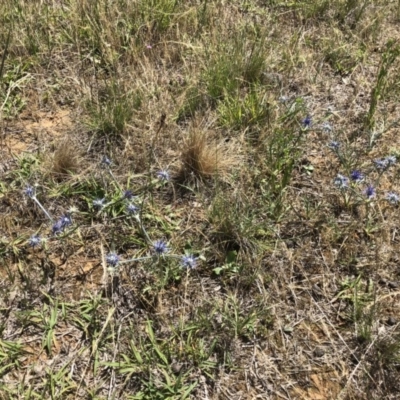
{"points": [[381, 164], [160, 247], [106, 161], [57, 227], [62, 223], [307, 121], [390, 160], [35, 240], [357, 176], [132, 208], [112, 259], [370, 192], [189, 261], [334, 145], [99, 203], [327, 127], [393, 198], [341, 181], [128, 194], [29, 191], [66, 220], [163, 175]]}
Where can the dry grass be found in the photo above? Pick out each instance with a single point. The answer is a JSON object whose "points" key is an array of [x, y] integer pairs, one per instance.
{"points": [[203, 156], [295, 290], [65, 160]]}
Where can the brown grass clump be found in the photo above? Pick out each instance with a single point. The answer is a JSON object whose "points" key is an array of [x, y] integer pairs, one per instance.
{"points": [[203, 157], [65, 160]]}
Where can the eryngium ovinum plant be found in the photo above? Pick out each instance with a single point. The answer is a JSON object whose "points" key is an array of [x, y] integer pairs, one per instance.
{"points": [[362, 186], [63, 225]]}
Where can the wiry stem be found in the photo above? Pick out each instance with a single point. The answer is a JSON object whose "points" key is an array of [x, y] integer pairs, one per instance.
{"points": [[42, 208]]}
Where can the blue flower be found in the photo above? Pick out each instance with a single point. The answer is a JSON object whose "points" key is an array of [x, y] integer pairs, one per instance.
{"points": [[356, 176], [112, 259], [29, 191], [334, 145], [128, 194], [160, 247], [393, 198], [106, 161], [370, 191], [189, 262], [57, 228], [307, 121], [62, 223], [163, 175], [385, 163], [35, 240], [381, 163], [390, 160], [341, 181], [66, 220], [327, 127], [132, 209]]}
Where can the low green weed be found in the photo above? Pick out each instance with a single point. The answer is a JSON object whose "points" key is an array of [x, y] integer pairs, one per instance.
{"points": [[149, 359], [280, 149], [246, 111], [111, 112], [232, 66], [233, 223], [360, 296], [389, 56]]}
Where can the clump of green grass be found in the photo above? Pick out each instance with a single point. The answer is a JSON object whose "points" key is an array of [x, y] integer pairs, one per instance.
{"points": [[389, 56], [112, 111], [245, 111], [233, 65], [233, 222]]}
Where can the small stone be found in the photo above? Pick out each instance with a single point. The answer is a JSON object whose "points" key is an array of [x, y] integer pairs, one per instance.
{"points": [[319, 352], [393, 285], [391, 321]]}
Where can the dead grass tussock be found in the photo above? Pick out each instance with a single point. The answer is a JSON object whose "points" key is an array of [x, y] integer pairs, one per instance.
{"points": [[66, 160], [204, 156]]}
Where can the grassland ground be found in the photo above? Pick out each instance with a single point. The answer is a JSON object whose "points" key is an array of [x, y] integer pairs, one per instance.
{"points": [[199, 199]]}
